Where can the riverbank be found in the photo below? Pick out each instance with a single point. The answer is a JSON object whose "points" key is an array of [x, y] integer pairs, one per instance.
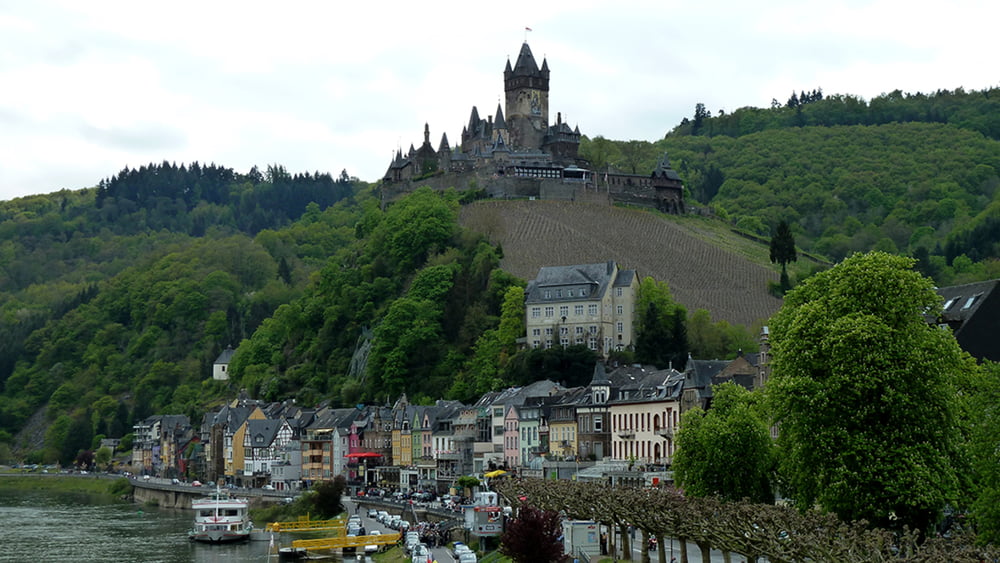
{"points": [[112, 486]]}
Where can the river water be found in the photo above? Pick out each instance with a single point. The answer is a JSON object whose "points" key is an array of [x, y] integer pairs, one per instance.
{"points": [[41, 526]]}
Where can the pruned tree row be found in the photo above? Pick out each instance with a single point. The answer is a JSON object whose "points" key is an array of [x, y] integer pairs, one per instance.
{"points": [[779, 533]]}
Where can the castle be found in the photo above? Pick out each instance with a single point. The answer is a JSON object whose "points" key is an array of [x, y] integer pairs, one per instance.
{"points": [[517, 153]]}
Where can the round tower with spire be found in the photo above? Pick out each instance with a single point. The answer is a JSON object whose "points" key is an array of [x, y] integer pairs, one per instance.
{"points": [[526, 88]]}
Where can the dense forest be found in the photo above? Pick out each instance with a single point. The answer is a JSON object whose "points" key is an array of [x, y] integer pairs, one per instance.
{"points": [[914, 174], [115, 300]]}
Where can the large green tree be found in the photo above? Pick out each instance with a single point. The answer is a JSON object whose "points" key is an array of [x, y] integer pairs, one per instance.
{"points": [[863, 392], [726, 451], [661, 335]]}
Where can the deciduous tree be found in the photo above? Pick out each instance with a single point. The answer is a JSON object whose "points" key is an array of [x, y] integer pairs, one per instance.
{"points": [[726, 451], [533, 536], [862, 390]]}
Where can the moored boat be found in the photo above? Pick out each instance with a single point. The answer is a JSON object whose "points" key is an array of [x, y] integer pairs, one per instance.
{"points": [[221, 518]]}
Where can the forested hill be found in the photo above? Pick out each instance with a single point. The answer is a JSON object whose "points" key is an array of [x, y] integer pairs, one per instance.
{"points": [[115, 300], [912, 174]]}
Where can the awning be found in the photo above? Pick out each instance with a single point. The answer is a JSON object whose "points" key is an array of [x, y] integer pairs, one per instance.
{"points": [[364, 454], [496, 473]]}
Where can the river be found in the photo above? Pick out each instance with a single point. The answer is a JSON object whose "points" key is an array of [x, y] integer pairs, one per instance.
{"points": [[43, 526]]}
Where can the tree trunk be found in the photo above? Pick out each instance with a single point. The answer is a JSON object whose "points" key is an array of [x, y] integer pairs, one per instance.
{"points": [[626, 544], [706, 552], [727, 557], [684, 549], [645, 546], [661, 549]]}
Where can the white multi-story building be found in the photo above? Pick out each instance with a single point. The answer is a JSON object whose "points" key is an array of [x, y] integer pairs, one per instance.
{"points": [[588, 304]]}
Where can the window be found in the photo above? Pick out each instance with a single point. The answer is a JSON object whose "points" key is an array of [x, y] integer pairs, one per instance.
{"points": [[535, 344], [593, 344], [548, 343], [548, 294], [564, 311], [621, 327], [536, 332], [593, 329], [579, 340], [559, 293], [950, 303], [970, 302], [621, 309], [550, 311], [592, 310], [578, 310], [564, 342], [583, 292], [563, 330], [579, 330], [598, 423], [569, 293], [536, 312], [548, 331], [618, 291]]}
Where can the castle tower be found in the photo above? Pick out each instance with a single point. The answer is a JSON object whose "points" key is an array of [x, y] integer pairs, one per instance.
{"points": [[526, 88]]}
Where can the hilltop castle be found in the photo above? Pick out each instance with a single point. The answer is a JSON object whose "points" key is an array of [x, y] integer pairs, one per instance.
{"points": [[517, 153]]}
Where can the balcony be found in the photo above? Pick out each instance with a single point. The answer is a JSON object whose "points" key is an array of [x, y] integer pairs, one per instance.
{"points": [[626, 434], [666, 432]]}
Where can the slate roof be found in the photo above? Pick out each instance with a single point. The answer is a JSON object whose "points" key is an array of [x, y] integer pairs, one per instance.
{"points": [[595, 277], [225, 356], [262, 432], [972, 311]]}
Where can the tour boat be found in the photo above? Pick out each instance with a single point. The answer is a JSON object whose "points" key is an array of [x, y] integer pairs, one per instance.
{"points": [[220, 518]]}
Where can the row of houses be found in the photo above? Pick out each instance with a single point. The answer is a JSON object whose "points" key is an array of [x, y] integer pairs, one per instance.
{"points": [[627, 415]]}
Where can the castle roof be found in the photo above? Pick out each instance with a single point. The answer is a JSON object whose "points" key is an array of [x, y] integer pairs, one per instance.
{"points": [[499, 122], [526, 65]]}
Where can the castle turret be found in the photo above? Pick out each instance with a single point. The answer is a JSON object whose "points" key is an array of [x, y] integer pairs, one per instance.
{"points": [[526, 89]]}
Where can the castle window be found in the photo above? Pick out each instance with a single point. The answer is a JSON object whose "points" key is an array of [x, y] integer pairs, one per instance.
{"points": [[592, 310], [548, 294], [536, 312], [550, 311], [564, 311], [569, 293], [558, 293], [578, 310]]}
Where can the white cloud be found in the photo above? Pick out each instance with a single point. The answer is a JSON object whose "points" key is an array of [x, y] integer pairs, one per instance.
{"points": [[91, 88]]}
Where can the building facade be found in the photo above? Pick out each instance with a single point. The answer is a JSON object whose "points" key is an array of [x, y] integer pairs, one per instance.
{"points": [[586, 304]]}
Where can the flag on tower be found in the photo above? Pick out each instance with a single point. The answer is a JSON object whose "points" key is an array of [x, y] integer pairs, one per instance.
{"points": [[527, 29]]}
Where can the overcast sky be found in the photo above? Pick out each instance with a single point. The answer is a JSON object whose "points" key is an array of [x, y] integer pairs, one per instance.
{"points": [[87, 88]]}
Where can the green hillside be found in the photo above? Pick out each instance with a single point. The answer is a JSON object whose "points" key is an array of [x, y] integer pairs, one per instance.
{"points": [[115, 300], [706, 265], [909, 174]]}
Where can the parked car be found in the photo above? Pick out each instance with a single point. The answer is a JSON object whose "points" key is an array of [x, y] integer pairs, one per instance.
{"points": [[467, 558], [421, 554], [268, 487], [369, 549], [372, 513]]}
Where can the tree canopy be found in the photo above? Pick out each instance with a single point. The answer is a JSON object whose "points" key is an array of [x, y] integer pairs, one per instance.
{"points": [[726, 451], [863, 391]]}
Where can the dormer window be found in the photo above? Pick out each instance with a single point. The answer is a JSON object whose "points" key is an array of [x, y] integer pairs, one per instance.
{"points": [[950, 303], [548, 294], [971, 301]]}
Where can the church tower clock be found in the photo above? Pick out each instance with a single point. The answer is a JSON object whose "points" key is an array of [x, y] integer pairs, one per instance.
{"points": [[527, 100]]}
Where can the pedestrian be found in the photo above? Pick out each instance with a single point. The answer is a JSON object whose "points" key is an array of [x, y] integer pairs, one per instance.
{"points": [[604, 543]]}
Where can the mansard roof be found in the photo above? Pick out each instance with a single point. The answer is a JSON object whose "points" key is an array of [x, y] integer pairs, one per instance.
{"points": [[595, 277]]}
